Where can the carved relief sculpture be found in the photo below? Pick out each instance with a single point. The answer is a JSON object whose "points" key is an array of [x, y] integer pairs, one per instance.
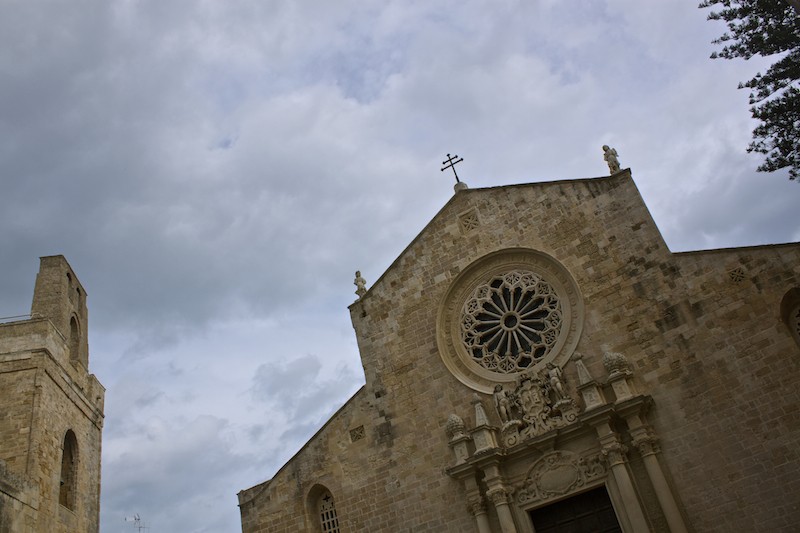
{"points": [[538, 404], [558, 473]]}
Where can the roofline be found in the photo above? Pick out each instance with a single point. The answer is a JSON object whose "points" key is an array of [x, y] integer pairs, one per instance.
{"points": [[265, 484], [738, 248], [623, 172]]}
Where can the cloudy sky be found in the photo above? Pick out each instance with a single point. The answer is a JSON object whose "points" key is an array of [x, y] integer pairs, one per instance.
{"points": [[215, 172]]}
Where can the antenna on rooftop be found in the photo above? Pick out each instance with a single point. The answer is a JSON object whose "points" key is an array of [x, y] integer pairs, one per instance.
{"points": [[138, 524]]}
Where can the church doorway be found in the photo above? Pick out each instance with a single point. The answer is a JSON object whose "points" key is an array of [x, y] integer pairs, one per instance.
{"points": [[588, 512]]}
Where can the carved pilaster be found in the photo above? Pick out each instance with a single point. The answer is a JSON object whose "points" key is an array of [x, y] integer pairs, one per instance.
{"points": [[645, 442], [476, 505], [614, 453], [499, 496], [477, 508]]}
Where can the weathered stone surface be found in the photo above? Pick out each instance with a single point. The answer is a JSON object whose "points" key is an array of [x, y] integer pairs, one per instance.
{"points": [[708, 353]]}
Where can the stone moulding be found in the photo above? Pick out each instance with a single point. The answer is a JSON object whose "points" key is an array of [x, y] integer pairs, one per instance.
{"points": [[449, 325], [558, 473]]}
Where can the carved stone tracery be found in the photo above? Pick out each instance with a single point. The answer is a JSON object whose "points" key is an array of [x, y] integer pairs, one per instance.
{"points": [[511, 322], [509, 312]]}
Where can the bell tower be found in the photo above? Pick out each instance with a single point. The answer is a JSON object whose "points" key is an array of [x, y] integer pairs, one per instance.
{"points": [[51, 411], [59, 297]]}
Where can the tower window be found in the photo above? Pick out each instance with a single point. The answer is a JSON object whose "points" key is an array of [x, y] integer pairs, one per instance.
{"points": [[69, 470], [74, 340]]}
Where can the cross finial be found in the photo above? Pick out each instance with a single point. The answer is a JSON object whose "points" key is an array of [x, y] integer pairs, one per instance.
{"points": [[451, 162]]}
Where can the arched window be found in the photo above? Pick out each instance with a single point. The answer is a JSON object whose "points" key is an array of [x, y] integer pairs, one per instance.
{"points": [[74, 340], [790, 312], [326, 510], [69, 471]]}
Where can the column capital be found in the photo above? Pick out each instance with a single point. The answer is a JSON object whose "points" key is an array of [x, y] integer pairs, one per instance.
{"points": [[645, 441], [614, 453], [476, 505], [499, 495]]}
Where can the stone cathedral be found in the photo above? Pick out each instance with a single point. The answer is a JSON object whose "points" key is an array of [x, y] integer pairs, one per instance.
{"points": [[51, 412], [538, 360]]}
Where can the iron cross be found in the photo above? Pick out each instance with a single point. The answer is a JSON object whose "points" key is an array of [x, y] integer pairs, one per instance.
{"points": [[451, 162]]}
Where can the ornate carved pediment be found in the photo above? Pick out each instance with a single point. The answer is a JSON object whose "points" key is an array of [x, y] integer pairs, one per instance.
{"points": [[557, 473]]}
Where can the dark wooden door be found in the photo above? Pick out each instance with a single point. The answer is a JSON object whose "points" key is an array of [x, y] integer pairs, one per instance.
{"points": [[588, 512]]}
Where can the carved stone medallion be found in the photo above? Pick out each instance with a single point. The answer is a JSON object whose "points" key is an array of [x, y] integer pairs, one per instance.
{"points": [[557, 473]]}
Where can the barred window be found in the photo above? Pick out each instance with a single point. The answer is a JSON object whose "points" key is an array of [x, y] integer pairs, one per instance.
{"points": [[327, 514]]}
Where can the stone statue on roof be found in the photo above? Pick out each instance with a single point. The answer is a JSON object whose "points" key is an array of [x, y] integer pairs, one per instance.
{"points": [[612, 158], [361, 284]]}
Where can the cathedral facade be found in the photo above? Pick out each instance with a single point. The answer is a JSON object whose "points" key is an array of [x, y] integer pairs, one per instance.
{"points": [[51, 412], [537, 359]]}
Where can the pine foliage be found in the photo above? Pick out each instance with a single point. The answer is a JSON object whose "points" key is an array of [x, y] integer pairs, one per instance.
{"points": [[767, 28]]}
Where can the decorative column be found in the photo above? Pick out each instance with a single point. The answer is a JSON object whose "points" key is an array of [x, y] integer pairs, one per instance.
{"points": [[614, 452], [500, 497], [476, 504], [485, 441], [477, 508], [647, 444]]}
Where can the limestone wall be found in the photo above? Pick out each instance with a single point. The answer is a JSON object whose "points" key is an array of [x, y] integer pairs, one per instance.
{"points": [[706, 342]]}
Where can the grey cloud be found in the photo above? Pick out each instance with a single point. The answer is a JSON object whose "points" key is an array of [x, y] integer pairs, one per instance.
{"points": [[300, 389], [275, 381], [160, 475], [334, 119]]}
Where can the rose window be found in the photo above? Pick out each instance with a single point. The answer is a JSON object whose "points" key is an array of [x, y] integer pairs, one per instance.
{"points": [[511, 322]]}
